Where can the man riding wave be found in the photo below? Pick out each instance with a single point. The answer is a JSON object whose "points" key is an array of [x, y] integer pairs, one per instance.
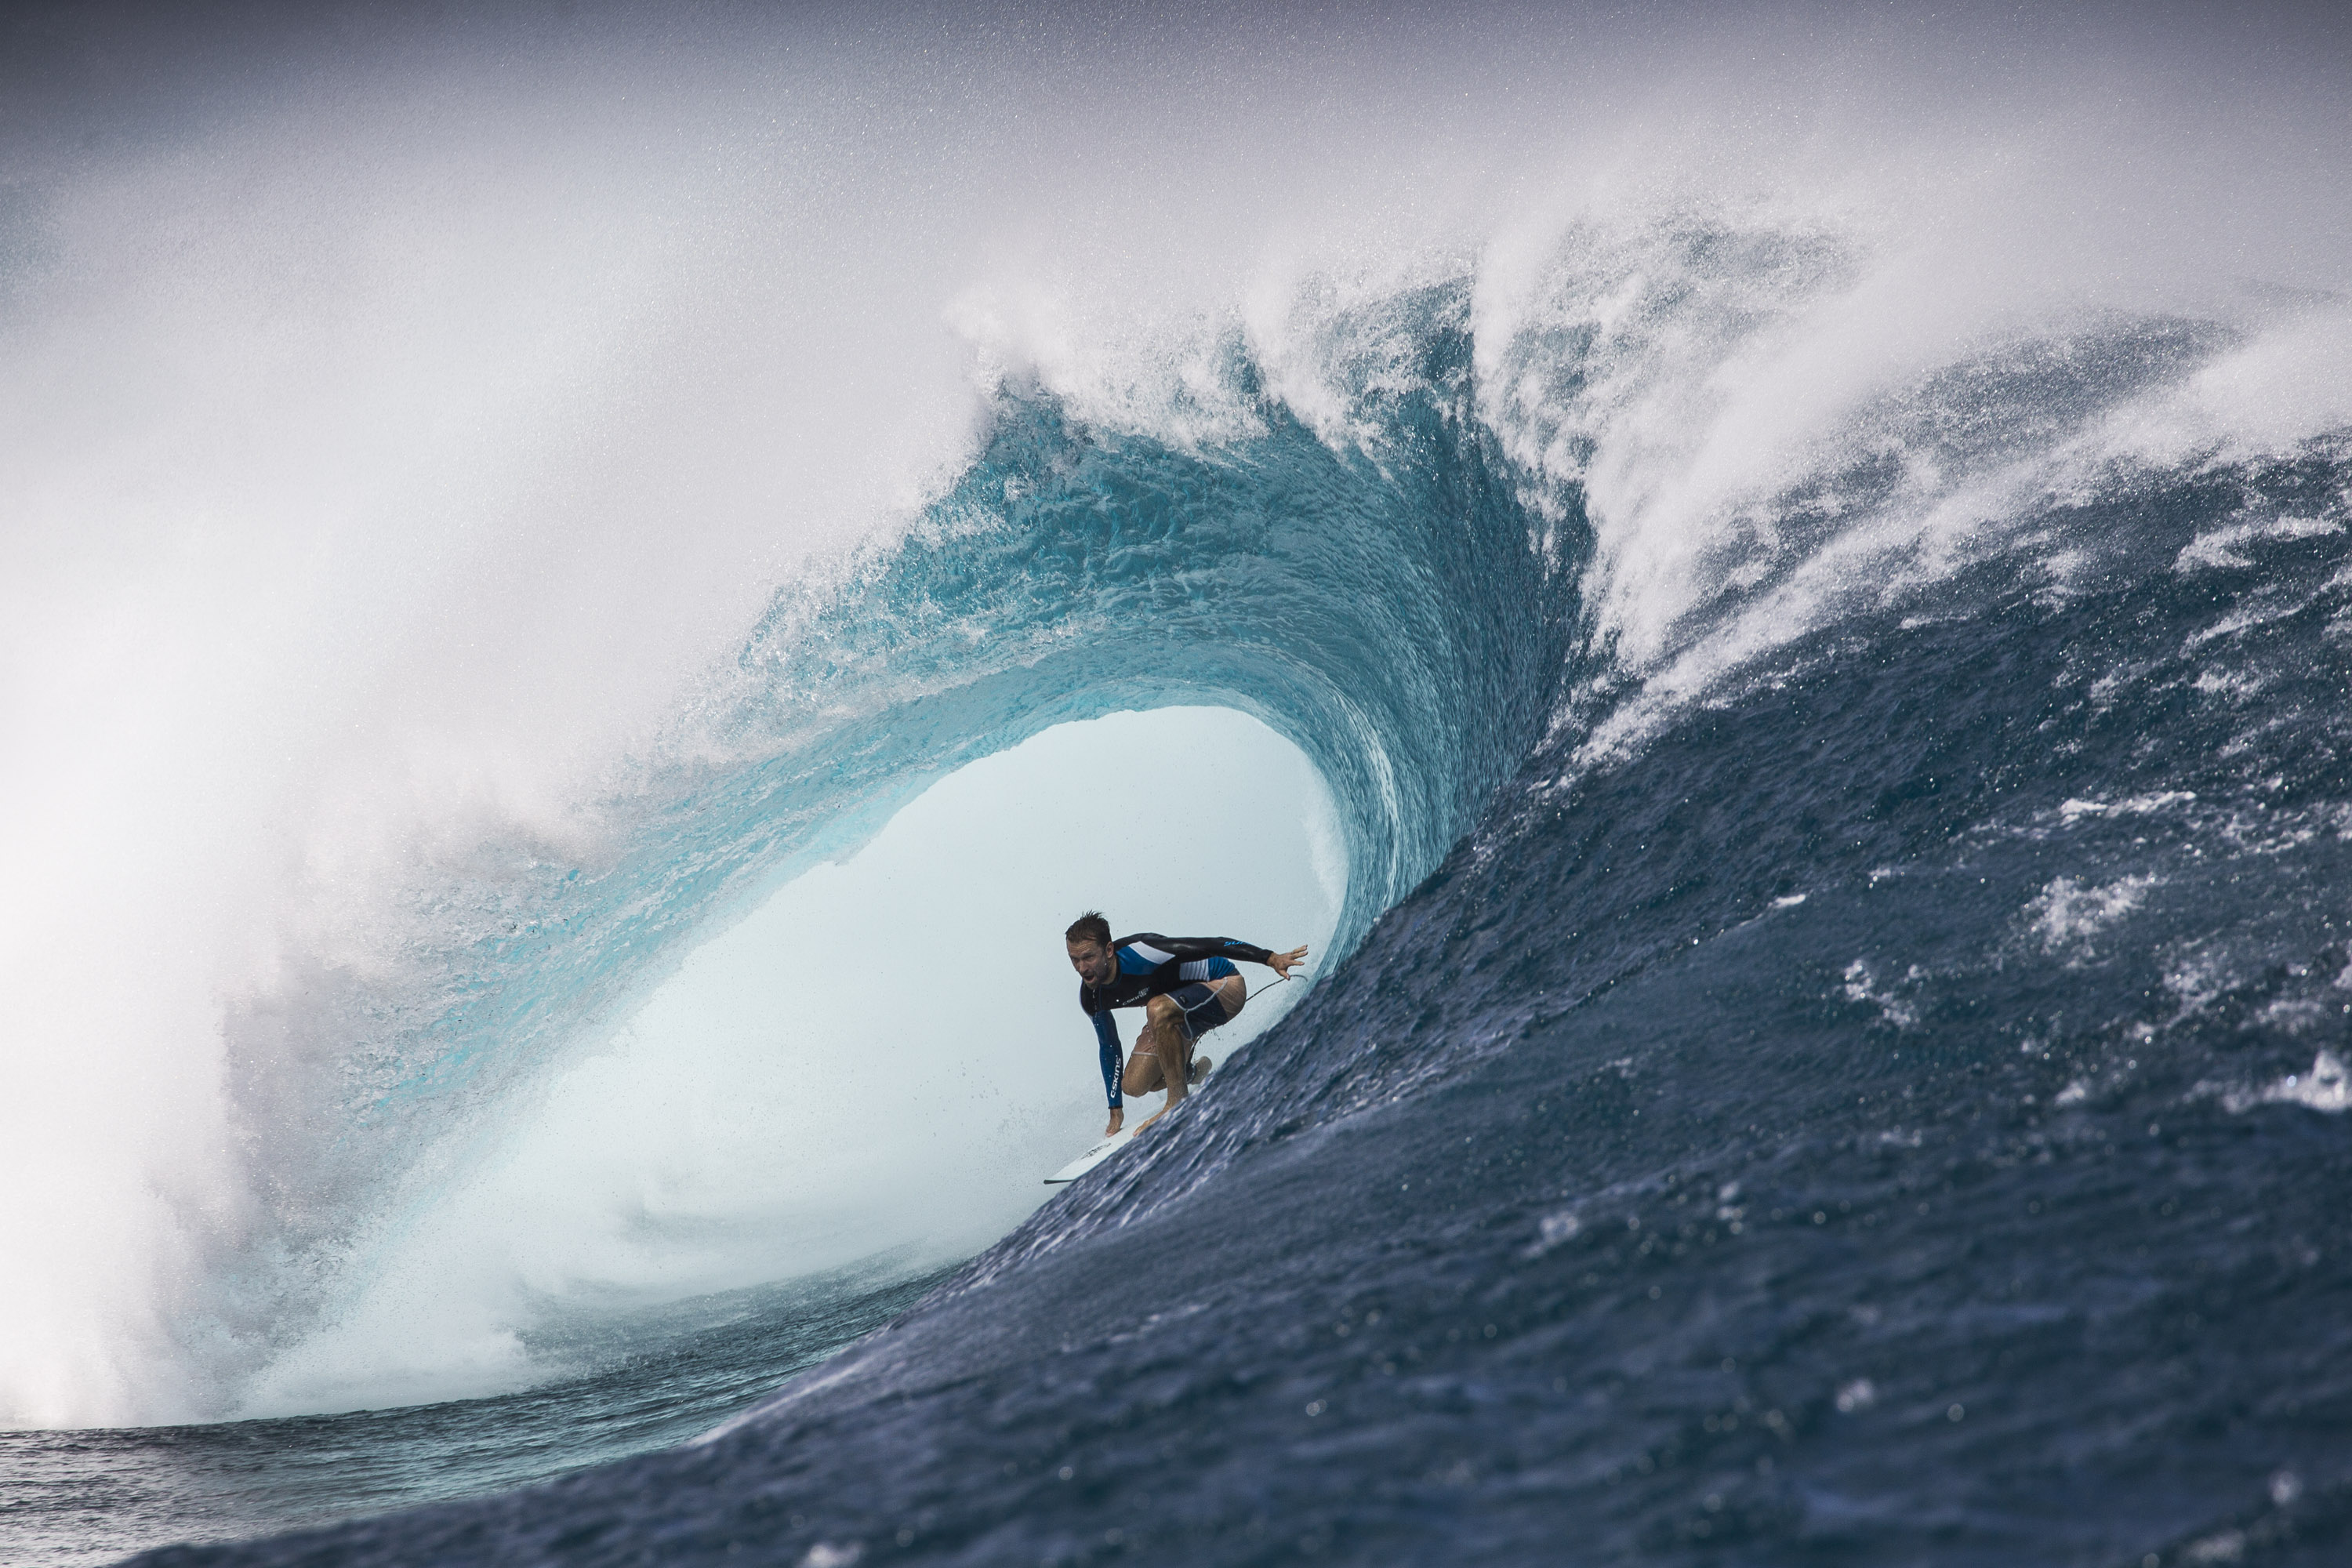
{"points": [[1186, 985]]}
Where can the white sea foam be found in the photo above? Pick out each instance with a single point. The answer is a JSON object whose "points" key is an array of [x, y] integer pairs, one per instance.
{"points": [[2130, 805], [2224, 547], [2068, 914], [1863, 984], [2326, 1087]]}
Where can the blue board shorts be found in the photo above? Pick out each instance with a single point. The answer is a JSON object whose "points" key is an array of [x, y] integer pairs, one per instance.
{"points": [[1203, 1008]]}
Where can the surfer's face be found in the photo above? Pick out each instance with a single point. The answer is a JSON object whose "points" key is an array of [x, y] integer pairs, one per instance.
{"points": [[1092, 960]]}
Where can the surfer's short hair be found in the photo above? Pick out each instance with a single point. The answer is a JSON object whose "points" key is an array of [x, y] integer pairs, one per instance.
{"points": [[1089, 927]]}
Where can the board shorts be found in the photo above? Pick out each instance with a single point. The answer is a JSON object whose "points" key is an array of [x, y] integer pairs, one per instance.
{"points": [[1203, 1008]]}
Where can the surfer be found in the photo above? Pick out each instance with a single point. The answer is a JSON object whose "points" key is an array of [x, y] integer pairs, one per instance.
{"points": [[1186, 985]]}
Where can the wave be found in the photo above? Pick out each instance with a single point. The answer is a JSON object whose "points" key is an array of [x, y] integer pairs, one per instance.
{"points": [[1386, 615], [1823, 692], [1424, 534], [1796, 1118]]}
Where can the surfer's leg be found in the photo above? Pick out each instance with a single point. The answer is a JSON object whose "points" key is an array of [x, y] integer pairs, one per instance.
{"points": [[1172, 1042], [1172, 1024], [1230, 994], [1171, 1049], [1141, 1075]]}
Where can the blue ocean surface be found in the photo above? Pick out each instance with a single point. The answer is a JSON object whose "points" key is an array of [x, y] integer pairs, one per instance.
{"points": [[666, 1376], [1832, 685]]}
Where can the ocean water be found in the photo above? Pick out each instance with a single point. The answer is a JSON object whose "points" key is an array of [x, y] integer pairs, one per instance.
{"points": [[1807, 708], [665, 1378]]}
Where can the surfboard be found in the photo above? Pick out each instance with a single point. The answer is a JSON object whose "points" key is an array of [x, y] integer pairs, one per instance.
{"points": [[1110, 1145], [1092, 1157]]}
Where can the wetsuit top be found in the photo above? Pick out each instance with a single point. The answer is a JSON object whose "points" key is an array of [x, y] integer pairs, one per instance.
{"points": [[1153, 965]]}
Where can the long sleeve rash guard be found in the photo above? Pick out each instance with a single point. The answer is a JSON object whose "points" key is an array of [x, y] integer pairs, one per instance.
{"points": [[1153, 965]]}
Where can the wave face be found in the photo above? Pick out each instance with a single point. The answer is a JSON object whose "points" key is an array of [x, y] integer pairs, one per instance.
{"points": [[1846, 1065]]}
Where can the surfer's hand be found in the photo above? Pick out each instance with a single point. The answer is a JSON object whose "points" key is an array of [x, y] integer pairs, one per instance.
{"points": [[1281, 962], [1117, 1120]]}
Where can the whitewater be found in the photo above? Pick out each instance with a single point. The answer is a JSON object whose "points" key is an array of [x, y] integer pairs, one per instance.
{"points": [[582, 596]]}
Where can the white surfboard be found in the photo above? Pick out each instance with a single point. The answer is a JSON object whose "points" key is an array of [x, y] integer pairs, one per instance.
{"points": [[1092, 1157]]}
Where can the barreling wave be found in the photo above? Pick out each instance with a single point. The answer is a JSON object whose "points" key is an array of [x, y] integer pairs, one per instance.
{"points": [[1392, 604], [1835, 1052], [1433, 536], [1793, 572], [1750, 746]]}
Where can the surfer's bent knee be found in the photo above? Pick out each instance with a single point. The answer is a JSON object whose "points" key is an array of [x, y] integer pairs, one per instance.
{"points": [[1142, 1075]]}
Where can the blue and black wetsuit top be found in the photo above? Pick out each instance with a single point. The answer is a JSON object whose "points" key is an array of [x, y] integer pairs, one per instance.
{"points": [[1153, 965]]}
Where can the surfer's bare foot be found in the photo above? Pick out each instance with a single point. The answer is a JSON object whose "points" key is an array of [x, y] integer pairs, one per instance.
{"points": [[1145, 1125], [1116, 1117], [1201, 1066]]}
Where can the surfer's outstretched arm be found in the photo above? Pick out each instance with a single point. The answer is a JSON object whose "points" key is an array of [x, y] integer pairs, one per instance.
{"points": [[1192, 951], [1106, 1040]]}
